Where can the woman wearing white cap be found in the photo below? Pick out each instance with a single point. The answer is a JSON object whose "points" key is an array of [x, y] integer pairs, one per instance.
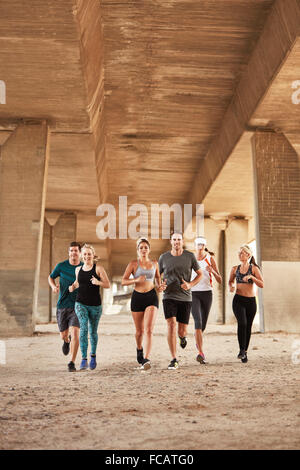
{"points": [[245, 275], [202, 292]]}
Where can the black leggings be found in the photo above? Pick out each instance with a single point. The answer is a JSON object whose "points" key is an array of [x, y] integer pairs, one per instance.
{"points": [[201, 304], [244, 309]]}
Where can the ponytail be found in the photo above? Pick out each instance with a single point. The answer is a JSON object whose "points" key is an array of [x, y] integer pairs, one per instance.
{"points": [[209, 252], [252, 261]]}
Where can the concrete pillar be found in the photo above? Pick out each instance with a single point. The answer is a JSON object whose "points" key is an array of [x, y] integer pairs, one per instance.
{"points": [[213, 233], [63, 233], [277, 192], [23, 179], [43, 308]]}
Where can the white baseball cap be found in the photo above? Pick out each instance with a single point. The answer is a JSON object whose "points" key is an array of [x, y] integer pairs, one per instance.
{"points": [[200, 241]]}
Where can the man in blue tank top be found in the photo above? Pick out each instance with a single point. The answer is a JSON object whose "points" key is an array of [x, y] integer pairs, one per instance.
{"points": [[65, 313]]}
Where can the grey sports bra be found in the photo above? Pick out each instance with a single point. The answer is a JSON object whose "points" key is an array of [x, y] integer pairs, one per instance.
{"points": [[149, 273], [240, 277]]}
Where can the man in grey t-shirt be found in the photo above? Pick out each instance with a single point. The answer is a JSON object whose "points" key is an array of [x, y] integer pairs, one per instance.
{"points": [[176, 267]]}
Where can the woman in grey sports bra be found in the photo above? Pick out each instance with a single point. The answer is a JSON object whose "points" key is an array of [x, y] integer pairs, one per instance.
{"points": [[143, 273]]}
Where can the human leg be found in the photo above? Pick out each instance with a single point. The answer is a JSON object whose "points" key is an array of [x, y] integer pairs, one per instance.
{"points": [[250, 314], [149, 321], [82, 315], [171, 324], [138, 318], [196, 312], [94, 314], [239, 311], [183, 316], [75, 331]]}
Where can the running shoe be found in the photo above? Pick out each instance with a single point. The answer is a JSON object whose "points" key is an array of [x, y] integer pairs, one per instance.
{"points": [[245, 358], [66, 347], [140, 356], [182, 341], [201, 358], [241, 354], [84, 364], [71, 367], [146, 364], [173, 364], [93, 362]]}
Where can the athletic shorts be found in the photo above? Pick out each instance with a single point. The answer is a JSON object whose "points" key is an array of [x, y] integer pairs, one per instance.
{"points": [[177, 308], [141, 300], [66, 317]]}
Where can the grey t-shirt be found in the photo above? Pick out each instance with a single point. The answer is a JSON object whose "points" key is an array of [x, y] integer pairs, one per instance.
{"points": [[174, 269]]}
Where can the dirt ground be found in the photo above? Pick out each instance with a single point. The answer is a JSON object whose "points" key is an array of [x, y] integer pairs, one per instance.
{"points": [[221, 405]]}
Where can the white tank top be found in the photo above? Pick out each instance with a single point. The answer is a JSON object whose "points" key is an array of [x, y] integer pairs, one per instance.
{"points": [[205, 282]]}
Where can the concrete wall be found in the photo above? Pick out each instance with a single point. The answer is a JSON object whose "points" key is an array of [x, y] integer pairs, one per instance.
{"points": [[277, 191], [281, 303]]}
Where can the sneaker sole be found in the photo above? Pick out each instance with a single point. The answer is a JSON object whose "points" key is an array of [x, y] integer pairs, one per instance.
{"points": [[146, 366], [200, 359]]}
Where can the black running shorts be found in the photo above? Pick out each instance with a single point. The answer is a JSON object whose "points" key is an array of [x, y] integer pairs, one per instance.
{"points": [[141, 300], [66, 317], [177, 308]]}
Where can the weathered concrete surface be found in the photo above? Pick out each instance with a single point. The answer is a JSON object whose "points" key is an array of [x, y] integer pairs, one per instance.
{"points": [[23, 179], [277, 181]]}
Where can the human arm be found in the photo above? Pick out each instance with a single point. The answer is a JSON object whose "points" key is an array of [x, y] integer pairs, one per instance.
{"points": [[104, 281], [52, 284], [232, 279], [126, 281], [75, 284], [187, 285], [51, 279], [256, 277], [213, 269]]}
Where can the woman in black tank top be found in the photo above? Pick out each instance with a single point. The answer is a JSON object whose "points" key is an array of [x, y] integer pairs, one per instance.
{"points": [[89, 278], [245, 275]]}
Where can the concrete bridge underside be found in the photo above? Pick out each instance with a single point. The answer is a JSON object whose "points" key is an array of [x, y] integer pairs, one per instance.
{"points": [[163, 102]]}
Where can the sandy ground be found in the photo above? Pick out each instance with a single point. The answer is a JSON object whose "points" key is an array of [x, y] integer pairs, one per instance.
{"points": [[221, 405]]}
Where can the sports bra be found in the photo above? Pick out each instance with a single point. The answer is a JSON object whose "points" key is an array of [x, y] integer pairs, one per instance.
{"points": [[240, 277], [149, 273]]}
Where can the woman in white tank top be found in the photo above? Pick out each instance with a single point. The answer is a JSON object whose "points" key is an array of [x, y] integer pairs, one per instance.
{"points": [[202, 292]]}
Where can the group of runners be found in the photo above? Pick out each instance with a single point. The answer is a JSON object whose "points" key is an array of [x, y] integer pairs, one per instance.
{"points": [[186, 281]]}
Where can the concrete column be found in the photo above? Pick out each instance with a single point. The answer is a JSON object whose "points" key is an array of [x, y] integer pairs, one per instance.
{"points": [[277, 191], [63, 233], [44, 308], [23, 179]]}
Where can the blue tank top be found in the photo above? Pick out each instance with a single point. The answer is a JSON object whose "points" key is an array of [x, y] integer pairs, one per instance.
{"points": [[149, 273], [240, 277]]}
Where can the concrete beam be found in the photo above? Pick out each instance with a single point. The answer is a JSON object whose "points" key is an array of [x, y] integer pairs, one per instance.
{"points": [[274, 45]]}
